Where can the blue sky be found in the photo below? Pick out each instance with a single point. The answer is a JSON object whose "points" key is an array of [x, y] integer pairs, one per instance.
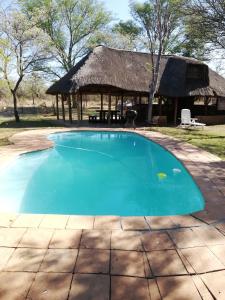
{"points": [[119, 8]]}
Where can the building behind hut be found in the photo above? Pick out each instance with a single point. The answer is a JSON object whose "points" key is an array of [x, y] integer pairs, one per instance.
{"points": [[183, 83]]}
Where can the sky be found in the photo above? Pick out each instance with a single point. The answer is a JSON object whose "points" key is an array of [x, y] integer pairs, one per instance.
{"points": [[119, 8]]}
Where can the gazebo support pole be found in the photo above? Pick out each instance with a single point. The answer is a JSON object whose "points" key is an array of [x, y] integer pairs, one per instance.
{"points": [[70, 109], [63, 109], [175, 110], [81, 106], [122, 106], [109, 110], [206, 104], [57, 106], [78, 108], [101, 101], [160, 106]]}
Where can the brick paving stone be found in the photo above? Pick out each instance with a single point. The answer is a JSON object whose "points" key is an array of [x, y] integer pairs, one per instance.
{"points": [[210, 235], [93, 261], [5, 254], [50, 286], [126, 240], [10, 237], [215, 283], [134, 223], [202, 289], [185, 238], [154, 290], [156, 241], [219, 251], [178, 288], [59, 260], [80, 222], [54, 221], [25, 259], [6, 219], [107, 222], [27, 220], [36, 238], [130, 263], [15, 285], [66, 238], [202, 259], [166, 262], [98, 239], [90, 287], [161, 222], [129, 288]]}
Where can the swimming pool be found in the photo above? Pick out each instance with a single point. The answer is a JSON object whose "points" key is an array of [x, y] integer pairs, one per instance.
{"points": [[99, 173]]}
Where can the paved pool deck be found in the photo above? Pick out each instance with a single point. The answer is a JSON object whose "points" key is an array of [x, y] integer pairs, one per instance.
{"points": [[117, 258]]}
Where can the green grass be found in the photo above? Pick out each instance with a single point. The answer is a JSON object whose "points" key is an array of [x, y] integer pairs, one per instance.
{"points": [[211, 139], [8, 126]]}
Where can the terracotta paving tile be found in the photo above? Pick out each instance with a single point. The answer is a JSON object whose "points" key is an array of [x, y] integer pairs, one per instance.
{"points": [[10, 237], [90, 287], [134, 223], [59, 260], [27, 220], [54, 221], [5, 254], [80, 222], [156, 241], [178, 288], [210, 235], [185, 238], [93, 261], [36, 238], [67, 238], [25, 259], [107, 222], [186, 221], [166, 262], [129, 288], [15, 285], [130, 263], [126, 240], [221, 227], [154, 290], [50, 286], [202, 259], [202, 289], [6, 219], [161, 222], [219, 251], [215, 283], [98, 239]]}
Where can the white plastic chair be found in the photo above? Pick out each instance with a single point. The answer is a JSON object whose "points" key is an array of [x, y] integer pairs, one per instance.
{"points": [[187, 121]]}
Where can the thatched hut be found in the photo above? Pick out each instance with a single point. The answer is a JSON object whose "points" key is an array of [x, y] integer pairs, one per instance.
{"points": [[121, 73]]}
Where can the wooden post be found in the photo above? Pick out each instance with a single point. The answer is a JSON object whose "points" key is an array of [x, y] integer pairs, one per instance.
{"points": [[78, 108], [122, 106], [70, 109], [109, 110], [101, 101], [160, 106], [206, 102], [175, 110], [57, 106], [81, 106], [63, 109]]}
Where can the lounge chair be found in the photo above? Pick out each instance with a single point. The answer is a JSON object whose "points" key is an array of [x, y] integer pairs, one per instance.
{"points": [[187, 121]]}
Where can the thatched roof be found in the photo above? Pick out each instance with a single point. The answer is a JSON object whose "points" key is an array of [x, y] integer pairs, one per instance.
{"points": [[119, 71]]}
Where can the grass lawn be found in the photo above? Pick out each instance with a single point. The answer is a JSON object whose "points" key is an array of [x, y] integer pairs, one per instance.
{"points": [[211, 139], [8, 126]]}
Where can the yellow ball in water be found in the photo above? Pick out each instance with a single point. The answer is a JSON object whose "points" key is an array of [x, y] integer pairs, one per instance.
{"points": [[162, 175]]}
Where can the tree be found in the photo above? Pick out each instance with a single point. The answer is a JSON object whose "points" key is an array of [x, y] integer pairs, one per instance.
{"points": [[159, 20], [22, 50], [208, 19], [72, 26]]}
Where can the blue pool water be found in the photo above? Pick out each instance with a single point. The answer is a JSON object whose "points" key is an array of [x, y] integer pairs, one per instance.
{"points": [[99, 173]]}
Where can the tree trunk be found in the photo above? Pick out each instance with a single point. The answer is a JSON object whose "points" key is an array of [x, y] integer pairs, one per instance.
{"points": [[16, 114]]}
